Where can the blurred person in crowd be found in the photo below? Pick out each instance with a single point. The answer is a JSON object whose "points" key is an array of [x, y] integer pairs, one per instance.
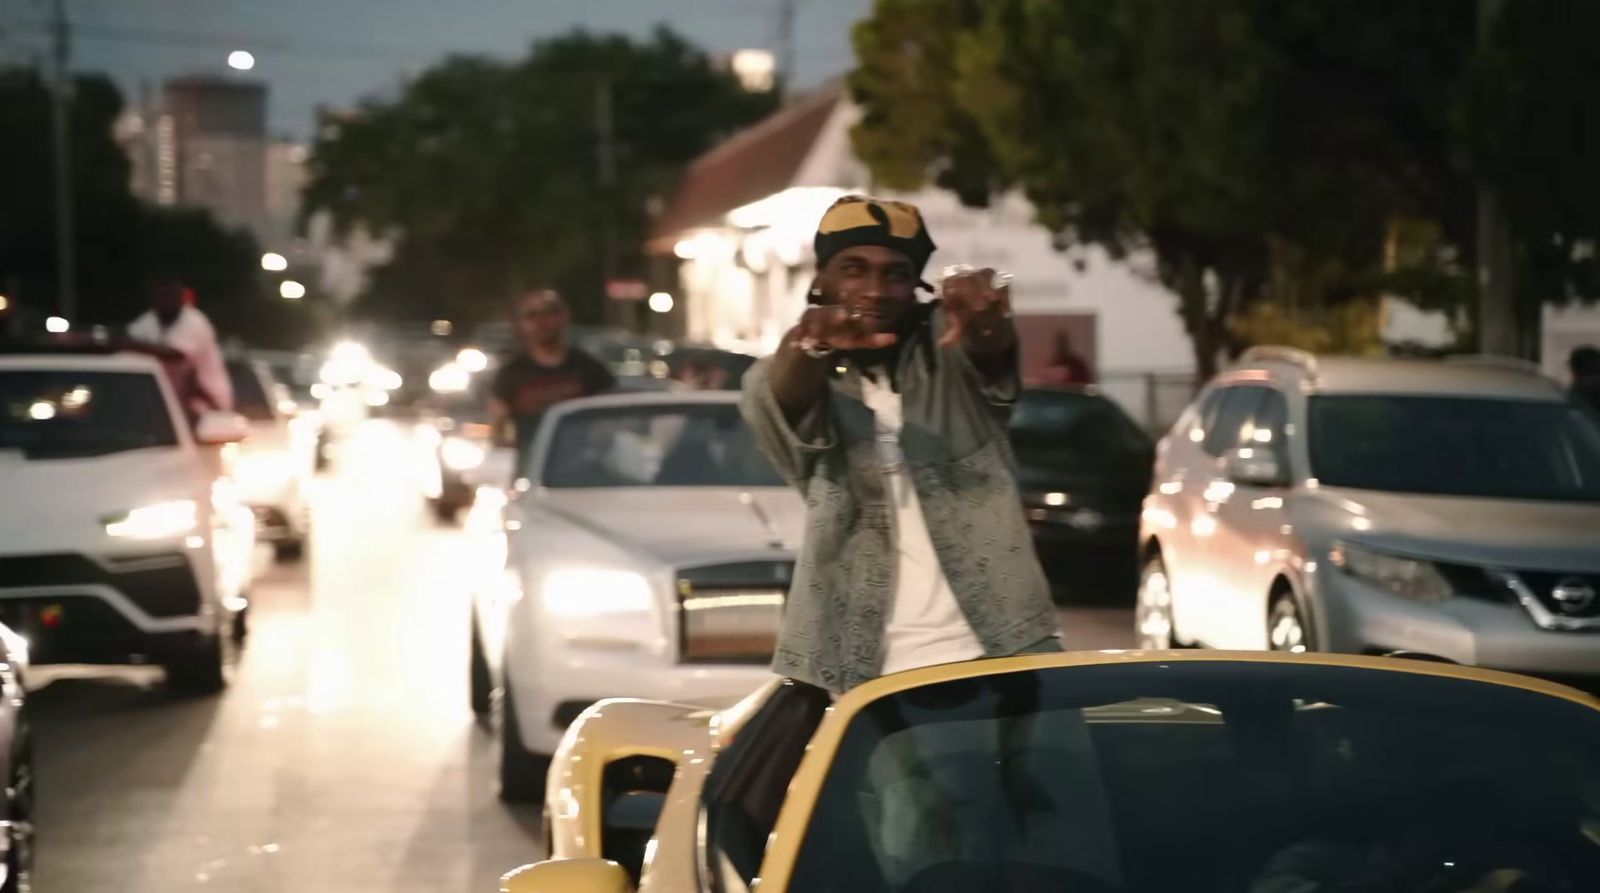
{"points": [[890, 415], [545, 371], [174, 321], [704, 375], [1066, 365], [1584, 363]]}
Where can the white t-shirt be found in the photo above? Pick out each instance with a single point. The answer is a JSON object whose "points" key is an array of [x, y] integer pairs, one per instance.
{"points": [[926, 625], [191, 334]]}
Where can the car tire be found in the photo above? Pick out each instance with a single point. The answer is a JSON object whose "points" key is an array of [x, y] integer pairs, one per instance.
{"points": [[522, 772], [446, 511], [202, 671], [239, 629], [1153, 628], [289, 551], [19, 815], [480, 685], [1287, 629]]}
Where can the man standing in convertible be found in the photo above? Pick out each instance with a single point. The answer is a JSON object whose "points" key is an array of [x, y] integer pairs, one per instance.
{"points": [[889, 414]]}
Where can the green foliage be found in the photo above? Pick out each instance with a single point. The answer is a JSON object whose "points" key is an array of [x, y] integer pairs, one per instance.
{"points": [[489, 172], [1263, 150]]}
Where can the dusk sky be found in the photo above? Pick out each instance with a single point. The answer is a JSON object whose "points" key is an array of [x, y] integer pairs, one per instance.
{"points": [[337, 51]]}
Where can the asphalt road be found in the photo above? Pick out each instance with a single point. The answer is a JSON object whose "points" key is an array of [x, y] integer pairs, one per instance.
{"points": [[343, 758]]}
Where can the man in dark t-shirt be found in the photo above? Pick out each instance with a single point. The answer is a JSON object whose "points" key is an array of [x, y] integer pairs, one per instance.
{"points": [[546, 371]]}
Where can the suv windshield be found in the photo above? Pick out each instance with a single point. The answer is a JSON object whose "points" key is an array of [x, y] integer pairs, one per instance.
{"points": [[1456, 446], [63, 413], [657, 446], [1223, 778], [249, 398]]}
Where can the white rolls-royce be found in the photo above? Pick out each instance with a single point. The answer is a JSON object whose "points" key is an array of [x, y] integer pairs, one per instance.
{"points": [[648, 548]]}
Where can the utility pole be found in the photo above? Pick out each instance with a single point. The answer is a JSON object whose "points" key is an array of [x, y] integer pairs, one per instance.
{"points": [[606, 169], [66, 261], [786, 11], [1497, 316]]}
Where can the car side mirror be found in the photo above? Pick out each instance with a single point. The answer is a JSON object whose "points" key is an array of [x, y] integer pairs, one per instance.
{"points": [[1254, 467], [568, 876], [216, 428]]}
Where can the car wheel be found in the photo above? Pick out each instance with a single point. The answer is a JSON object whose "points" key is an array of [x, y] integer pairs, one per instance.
{"points": [[289, 551], [1286, 626], [19, 813], [203, 671], [446, 511], [481, 687], [239, 629], [522, 772], [1152, 611]]}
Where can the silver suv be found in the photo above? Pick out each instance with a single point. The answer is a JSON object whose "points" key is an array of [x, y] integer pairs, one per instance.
{"points": [[1443, 508]]}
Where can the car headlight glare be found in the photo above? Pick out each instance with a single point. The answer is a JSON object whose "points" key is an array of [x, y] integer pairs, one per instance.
{"points": [[591, 593], [461, 454], [450, 378], [1410, 578], [263, 470], [159, 520]]}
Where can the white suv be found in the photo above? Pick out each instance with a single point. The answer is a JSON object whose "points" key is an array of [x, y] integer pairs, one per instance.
{"points": [[1443, 508], [120, 542]]}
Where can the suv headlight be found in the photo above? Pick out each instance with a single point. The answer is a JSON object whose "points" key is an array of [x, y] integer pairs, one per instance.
{"points": [[461, 454], [593, 593], [1410, 578], [160, 520]]}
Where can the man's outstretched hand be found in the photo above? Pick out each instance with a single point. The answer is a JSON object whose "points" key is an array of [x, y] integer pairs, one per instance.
{"points": [[977, 307], [835, 328]]}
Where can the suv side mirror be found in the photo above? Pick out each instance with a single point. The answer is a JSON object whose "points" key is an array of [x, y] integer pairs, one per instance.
{"points": [[568, 876], [215, 428], [1254, 467]]}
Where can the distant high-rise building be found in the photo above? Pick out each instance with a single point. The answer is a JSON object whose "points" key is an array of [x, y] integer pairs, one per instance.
{"points": [[211, 148]]}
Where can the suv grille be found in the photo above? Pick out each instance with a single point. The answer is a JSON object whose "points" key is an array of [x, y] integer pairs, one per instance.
{"points": [[161, 584], [1564, 595], [730, 613]]}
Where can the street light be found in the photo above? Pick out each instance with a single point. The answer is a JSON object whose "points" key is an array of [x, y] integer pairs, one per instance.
{"points": [[291, 290], [57, 325], [661, 302], [241, 60], [274, 262]]}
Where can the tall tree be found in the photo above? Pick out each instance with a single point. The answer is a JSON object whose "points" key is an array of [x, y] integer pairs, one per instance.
{"points": [[498, 176], [1300, 151]]}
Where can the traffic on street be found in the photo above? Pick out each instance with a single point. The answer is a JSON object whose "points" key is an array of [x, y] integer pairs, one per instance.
{"points": [[800, 446]]}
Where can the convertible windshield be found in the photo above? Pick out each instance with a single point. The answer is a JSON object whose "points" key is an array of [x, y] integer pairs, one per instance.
{"points": [[1222, 778], [689, 445], [1502, 449], [63, 413], [249, 397]]}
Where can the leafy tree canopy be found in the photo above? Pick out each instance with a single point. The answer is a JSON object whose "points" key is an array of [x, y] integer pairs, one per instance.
{"points": [[490, 172]]}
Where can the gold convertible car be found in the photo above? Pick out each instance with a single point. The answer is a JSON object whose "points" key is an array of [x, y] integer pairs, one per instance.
{"points": [[1110, 772]]}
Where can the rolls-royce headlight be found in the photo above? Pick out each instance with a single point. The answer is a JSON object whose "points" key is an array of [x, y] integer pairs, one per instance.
{"points": [[585, 592]]}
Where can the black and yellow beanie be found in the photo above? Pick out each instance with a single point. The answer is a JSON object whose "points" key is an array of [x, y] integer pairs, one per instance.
{"points": [[857, 220]]}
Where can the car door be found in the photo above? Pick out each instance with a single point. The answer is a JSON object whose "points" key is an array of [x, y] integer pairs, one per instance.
{"points": [[1249, 543], [1181, 469], [1205, 598]]}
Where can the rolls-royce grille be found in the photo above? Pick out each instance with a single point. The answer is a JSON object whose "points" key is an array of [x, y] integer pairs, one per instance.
{"points": [[730, 613]]}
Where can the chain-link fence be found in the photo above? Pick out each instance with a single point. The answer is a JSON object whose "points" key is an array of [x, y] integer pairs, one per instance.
{"points": [[1154, 399]]}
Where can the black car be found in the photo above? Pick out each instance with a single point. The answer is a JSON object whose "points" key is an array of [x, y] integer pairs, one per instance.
{"points": [[1083, 467]]}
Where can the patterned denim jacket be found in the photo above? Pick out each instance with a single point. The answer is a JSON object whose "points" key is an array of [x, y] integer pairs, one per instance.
{"points": [[955, 447]]}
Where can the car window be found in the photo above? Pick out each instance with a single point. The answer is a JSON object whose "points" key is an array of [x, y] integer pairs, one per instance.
{"points": [[1087, 426], [250, 399], [1226, 777], [1457, 446], [1268, 427], [689, 445], [1237, 407], [62, 413]]}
